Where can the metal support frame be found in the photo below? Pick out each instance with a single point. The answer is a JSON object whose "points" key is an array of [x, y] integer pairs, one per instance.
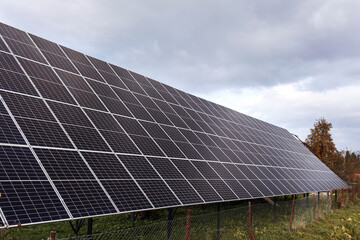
{"points": [[336, 194], [218, 220], [90, 228], [78, 224], [307, 200], [133, 220], [171, 215], [314, 206], [274, 209]]}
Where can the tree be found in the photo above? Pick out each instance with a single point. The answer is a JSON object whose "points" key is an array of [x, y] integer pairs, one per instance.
{"points": [[321, 143]]}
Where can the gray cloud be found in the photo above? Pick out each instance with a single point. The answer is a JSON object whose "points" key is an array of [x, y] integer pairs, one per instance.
{"points": [[208, 46]]}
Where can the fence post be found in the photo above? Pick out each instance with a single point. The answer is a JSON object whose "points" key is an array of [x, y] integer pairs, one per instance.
{"points": [[52, 235], [331, 193], [218, 220], [274, 209], [292, 212], [314, 205], [187, 227]]}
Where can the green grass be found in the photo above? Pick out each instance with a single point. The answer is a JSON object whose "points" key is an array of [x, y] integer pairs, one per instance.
{"points": [[338, 224]]}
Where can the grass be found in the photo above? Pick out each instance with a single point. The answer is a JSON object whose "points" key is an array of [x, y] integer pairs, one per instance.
{"points": [[342, 223]]}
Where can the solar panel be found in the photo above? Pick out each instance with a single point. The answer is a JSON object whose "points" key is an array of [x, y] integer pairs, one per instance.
{"points": [[80, 137]]}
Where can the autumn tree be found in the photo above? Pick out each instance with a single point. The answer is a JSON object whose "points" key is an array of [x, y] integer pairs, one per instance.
{"points": [[351, 164], [321, 143]]}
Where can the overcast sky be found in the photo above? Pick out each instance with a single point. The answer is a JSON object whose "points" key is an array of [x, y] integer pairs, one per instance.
{"points": [[285, 62]]}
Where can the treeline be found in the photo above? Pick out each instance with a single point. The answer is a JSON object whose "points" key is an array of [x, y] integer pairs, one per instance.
{"points": [[344, 163]]}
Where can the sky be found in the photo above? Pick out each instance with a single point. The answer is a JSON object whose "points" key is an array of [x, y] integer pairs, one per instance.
{"points": [[285, 62]]}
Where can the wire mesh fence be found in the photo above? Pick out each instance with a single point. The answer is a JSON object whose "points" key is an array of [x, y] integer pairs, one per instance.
{"points": [[245, 222]]}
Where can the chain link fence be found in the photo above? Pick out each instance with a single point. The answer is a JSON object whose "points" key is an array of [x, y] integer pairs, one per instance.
{"points": [[238, 223]]}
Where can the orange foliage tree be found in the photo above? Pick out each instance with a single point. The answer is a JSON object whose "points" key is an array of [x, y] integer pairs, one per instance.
{"points": [[321, 142]]}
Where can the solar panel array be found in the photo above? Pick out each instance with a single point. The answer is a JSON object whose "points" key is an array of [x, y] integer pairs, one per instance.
{"points": [[80, 137]]}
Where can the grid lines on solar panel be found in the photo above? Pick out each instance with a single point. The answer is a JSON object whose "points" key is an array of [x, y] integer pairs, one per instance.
{"points": [[126, 195], [43, 133], [158, 193], [184, 191], [8, 62], [8, 131], [18, 163], [25, 50], [139, 167], [205, 190], [30, 202], [3, 47], [223, 190], [165, 168], [84, 198], [106, 166], [63, 165], [14, 33], [16, 82]]}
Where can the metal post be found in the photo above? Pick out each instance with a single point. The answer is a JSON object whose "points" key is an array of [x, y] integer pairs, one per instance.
{"points": [[171, 215], [90, 226], [250, 222], [274, 209], [314, 206], [336, 197], [331, 194], [218, 220], [132, 220], [292, 212], [318, 198], [307, 200], [78, 225]]}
